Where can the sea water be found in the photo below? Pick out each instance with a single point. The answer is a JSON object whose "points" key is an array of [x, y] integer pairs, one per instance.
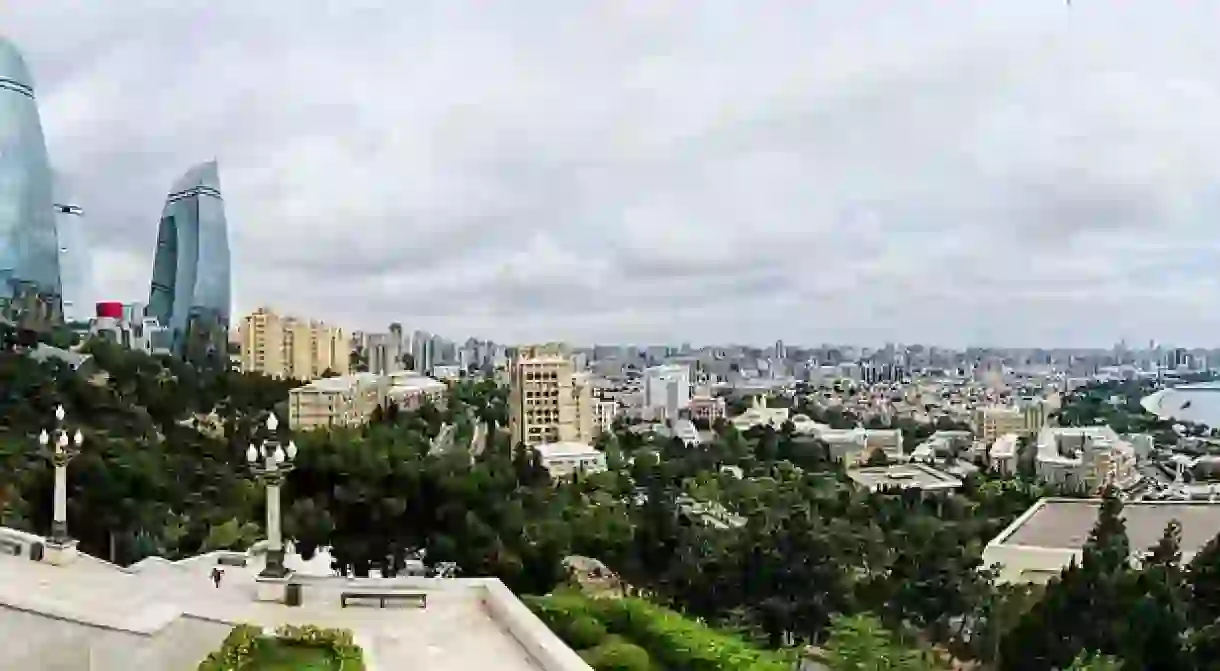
{"points": [[1198, 403]]}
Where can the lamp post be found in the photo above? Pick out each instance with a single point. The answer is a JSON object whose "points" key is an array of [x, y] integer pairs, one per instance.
{"points": [[64, 448], [271, 461]]}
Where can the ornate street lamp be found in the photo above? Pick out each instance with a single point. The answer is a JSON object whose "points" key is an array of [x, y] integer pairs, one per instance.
{"points": [[65, 446], [271, 461]]}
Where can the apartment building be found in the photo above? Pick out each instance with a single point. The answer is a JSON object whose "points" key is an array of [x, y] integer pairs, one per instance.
{"points": [[548, 401], [1085, 458], [350, 400], [604, 414], [1024, 419], [335, 401], [667, 391], [290, 347], [708, 408]]}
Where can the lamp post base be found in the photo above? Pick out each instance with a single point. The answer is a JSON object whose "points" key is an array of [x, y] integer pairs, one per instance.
{"points": [[271, 589], [60, 552], [274, 567]]}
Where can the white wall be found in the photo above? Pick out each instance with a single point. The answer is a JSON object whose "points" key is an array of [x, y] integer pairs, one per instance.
{"points": [[538, 640], [35, 641]]}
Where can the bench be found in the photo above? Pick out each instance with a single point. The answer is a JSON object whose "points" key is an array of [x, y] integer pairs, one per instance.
{"points": [[419, 598]]}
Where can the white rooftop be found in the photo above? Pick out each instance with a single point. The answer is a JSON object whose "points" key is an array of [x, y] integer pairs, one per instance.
{"points": [[904, 476], [564, 449]]}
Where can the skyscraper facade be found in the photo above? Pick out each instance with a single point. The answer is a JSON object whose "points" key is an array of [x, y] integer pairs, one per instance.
{"points": [[190, 290], [30, 288], [75, 262]]}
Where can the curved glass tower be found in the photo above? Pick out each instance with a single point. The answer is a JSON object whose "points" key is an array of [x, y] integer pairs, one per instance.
{"points": [[29, 245], [190, 280]]}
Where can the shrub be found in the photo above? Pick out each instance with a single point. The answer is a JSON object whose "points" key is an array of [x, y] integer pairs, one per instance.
{"points": [[234, 651], [583, 632], [618, 655], [674, 641]]}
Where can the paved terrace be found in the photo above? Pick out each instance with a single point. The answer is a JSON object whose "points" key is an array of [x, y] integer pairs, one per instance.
{"points": [[468, 624]]}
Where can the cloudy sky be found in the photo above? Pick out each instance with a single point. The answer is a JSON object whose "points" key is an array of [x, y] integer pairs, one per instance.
{"points": [[1008, 172]]}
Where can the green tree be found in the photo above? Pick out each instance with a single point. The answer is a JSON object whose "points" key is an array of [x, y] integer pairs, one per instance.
{"points": [[861, 643]]}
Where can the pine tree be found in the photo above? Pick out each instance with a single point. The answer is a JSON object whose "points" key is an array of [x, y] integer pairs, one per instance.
{"points": [[1203, 585], [1085, 608], [1167, 553], [1108, 551]]}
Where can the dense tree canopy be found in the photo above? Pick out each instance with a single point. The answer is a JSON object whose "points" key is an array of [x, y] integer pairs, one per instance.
{"points": [[803, 558]]}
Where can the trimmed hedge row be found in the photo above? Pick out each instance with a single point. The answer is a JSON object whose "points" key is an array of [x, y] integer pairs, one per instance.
{"points": [[676, 642], [238, 648]]}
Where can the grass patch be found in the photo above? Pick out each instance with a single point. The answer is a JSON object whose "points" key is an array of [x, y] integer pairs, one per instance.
{"points": [[274, 655]]}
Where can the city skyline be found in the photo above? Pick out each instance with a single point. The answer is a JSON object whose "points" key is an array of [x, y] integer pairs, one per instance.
{"points": [[1014, 173]]}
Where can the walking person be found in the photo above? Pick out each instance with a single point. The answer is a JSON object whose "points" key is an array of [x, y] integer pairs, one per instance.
{"points": [[217, 574]]}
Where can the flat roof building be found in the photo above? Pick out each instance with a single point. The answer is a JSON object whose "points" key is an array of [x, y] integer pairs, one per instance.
{"points": [[904, 476], [565, 458], [1045, 538]]}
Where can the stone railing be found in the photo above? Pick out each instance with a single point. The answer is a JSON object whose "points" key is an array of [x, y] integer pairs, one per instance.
{"points": [[551, 653]]}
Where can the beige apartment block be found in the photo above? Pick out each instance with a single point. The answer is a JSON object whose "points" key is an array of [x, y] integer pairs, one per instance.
{"points": [[290, 347], [1025, 419], [548, 401]]}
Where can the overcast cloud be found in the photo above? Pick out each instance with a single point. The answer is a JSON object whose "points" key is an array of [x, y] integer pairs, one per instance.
{"points": [[1009, 172]]}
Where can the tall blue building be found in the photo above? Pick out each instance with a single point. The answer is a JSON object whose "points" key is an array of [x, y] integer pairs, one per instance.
{"points": [[190, 291], [29, 247], [75, 261]]}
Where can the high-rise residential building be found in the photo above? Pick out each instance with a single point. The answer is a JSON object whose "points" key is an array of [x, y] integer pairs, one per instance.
{"points": [[190, 290], [385, 353], [30, 289], [548, 401], [667, 390], [289, 347]]}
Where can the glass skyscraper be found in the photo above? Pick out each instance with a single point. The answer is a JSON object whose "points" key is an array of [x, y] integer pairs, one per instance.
{"points": [[190, 291], [75, 262], [29, 247]]}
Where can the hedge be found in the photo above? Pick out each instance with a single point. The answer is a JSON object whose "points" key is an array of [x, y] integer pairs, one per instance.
{"points": [[238, 648], [678, 643]]}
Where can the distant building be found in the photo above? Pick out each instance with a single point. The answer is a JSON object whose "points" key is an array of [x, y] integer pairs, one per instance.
{"points": [[1003, 455], [548, 401], [350, 400], [707, 408], [1045, 539], [567, 458], [385, 353], [1085, 458], [290, 347], [758, 414], [604, 414], [1025, 419], [30, 285], [667, 390], [409, 390], [126, 325], [904, 476], [190, 290]]}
